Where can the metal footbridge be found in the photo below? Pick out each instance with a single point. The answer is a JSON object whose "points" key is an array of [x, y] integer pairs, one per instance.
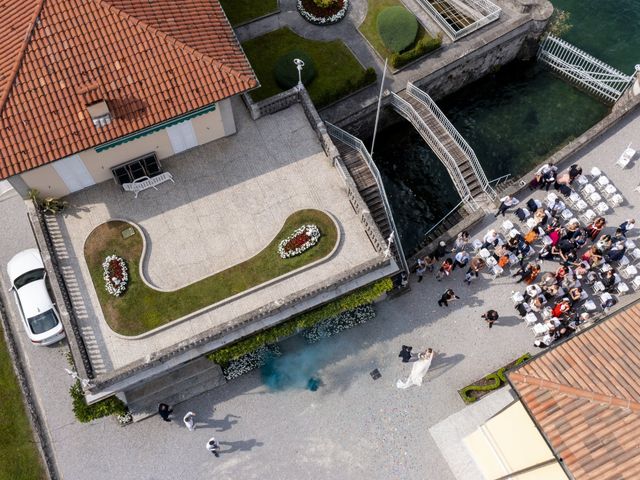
{"points": [[446, 142], [583, 70]]}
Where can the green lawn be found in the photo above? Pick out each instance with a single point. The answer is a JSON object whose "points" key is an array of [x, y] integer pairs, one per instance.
{"points": [[241, 11], [142, 308], [19, 457], [338, 71], [370, 30]]}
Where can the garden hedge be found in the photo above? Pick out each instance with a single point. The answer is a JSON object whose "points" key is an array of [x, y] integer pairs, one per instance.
{"points": [[286, 72], [498, 377], [85, 413], [424, 46], [360, 297], [397, 28]]}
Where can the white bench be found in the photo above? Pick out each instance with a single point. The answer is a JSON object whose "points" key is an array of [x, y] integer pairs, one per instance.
{"points": [[142, 183]]}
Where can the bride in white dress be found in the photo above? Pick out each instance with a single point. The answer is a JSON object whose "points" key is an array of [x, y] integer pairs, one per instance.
{"points": [[419, 370]]}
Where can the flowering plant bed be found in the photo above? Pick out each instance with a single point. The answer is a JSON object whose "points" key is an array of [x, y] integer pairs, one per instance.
{"points": [[313, 13], [250, 361], [344, 321], [301, 240], [115, 275]]}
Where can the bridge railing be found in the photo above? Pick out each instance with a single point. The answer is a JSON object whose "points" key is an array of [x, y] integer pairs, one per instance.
{"points": [[460, 141], [356, 143], [410, 114], [588, 72]]}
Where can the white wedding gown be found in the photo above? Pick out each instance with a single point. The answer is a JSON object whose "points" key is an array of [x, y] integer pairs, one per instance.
{"points": [[418, 371]]}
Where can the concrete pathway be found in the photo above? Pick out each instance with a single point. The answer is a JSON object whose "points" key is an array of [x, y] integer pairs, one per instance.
{"points": [[353, 427]]}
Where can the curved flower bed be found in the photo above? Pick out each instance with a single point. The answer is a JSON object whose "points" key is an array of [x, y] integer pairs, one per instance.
{"points": [[301, 240], [115, 275], [322, 16]]}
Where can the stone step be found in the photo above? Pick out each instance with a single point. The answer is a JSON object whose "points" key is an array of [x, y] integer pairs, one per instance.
{"points": [[182, 384]]}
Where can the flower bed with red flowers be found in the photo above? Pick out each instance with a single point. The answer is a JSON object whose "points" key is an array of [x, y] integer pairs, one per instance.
{"points": [[299, 241], [115, 275], [322, 15]]}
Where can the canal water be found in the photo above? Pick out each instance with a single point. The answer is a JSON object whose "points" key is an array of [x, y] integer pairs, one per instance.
{"points": [[512, 119]]}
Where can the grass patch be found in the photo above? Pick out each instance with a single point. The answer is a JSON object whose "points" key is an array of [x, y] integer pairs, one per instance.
{"points": [[242, 11], [422, 44], [142, 308], [338, 73], [19, 457]]}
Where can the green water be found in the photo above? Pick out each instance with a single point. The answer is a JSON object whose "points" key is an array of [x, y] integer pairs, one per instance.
{"points": [[512, 119]]}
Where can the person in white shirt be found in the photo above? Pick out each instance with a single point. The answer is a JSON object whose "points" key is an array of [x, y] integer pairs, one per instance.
{"points": [[506, 203], [213, 446], [461, 259], [188, 421]]}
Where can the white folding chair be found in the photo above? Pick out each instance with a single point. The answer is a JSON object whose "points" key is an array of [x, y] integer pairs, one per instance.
{"points": [[517, 298], [588, 189], [635, 283], [604, 298], [476, 245], [635, 253], [497, 270], [514, 232], [589, 306], [595, 172], [582, 181], [566, 214], [598, 287], [491, 261], [530, 319], [539, 329], [546, 313], [622, 288], [626, 157], [507, 225], [629, 272], [531, 223], [594, 198], [573, 198], [616, 200], [588, 216], [630, 244], [581, 205], [484, 253], [623, 262], [609, 191], [602, 181], [602, 208], [551, 199], [605, 267]]}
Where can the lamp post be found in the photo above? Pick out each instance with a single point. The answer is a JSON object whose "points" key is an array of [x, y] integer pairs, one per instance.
{"points": [[299, 64]]}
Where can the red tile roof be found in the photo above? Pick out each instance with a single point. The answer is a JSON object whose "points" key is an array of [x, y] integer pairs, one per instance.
{"points": [[585, 397], [150, 60]]}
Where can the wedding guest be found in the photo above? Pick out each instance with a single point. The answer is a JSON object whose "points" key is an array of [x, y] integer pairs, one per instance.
{"points": [[490, 317], [448, 296], [506, 203]]}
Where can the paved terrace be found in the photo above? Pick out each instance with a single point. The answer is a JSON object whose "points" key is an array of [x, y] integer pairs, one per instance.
{"points": [[229, 200], [353, 427]]}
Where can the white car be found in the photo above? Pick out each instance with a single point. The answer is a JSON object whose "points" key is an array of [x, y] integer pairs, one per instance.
{"points": [[41, 320]]}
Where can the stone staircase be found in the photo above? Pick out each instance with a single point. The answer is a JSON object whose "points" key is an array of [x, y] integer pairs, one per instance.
{"points": [[183, 383]]}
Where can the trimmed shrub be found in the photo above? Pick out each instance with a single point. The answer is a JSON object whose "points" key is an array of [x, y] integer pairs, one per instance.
{"points": [[497, 378], [286, 72], [85, 413], [346, 320], [424, 46], [360, 297], [397, 28]]}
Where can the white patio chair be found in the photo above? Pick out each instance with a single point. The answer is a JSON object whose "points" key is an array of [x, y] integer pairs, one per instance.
{"points": [[496, 270], [531, 223], [635, 253], [629, 272], [582, 181], [539, 329], [589, 306], [626, 157], [581, 205], [484, 253], [588, 189], [566, 214], [605, 267], [546, 313], [597, 287], [609, 191], [623, 262], [476, 245], [602, 208], [595, 172], [604, 298], [629, 244], [616, 200], [588, 216], [622, 288], [517, 298], [573, 198], [507, 225], [594, 198], [530, 319], [602, 181], [491, 261], [551, 199], [635, 283]]}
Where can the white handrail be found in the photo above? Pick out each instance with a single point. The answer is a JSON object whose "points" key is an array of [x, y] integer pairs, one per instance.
{"points": [[458, 179], [428, 102], [357, 144], [453, 210]]}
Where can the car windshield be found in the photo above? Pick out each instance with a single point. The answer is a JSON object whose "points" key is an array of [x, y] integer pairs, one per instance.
{"points": [[22, 280], [43, 322]]}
